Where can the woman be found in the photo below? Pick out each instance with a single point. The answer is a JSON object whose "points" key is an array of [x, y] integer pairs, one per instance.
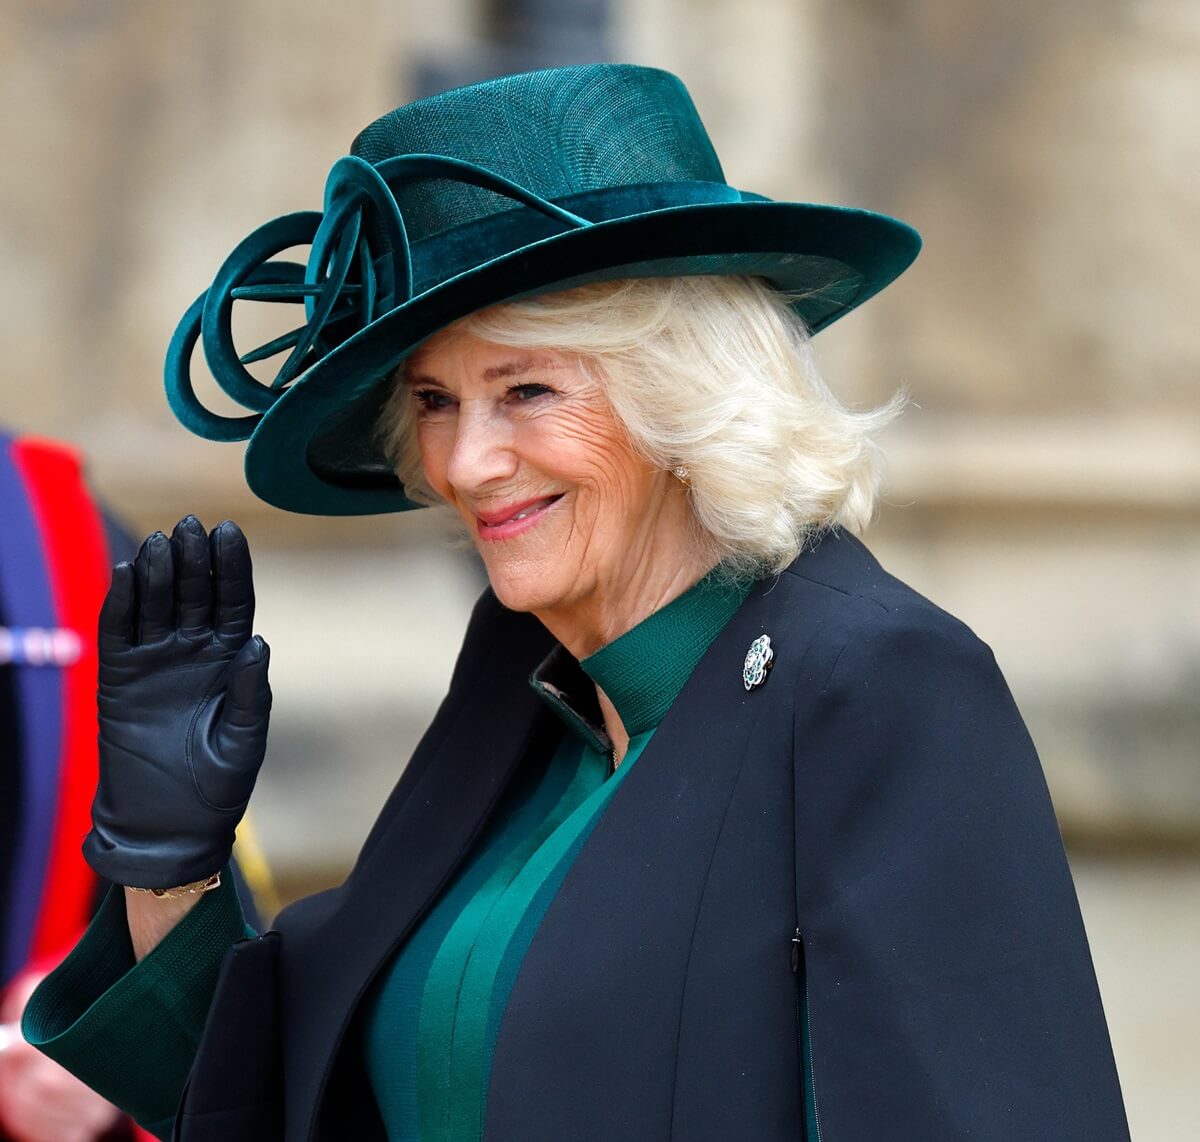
{"points": [[721, 832]]}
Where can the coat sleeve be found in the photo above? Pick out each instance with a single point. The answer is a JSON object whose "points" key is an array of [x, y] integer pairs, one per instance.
{"points": [[949, 989], [129, 1030]]}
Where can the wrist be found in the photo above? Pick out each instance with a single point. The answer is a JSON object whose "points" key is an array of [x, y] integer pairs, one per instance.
{"points": [[194, 888], [151, 917]]}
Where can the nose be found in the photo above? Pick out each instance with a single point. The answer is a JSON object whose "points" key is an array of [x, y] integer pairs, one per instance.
{"points": [[483, 448]]}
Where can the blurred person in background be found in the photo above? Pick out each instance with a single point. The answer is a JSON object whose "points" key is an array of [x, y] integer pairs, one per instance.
{"points": [[56, 547], [721, 831]]}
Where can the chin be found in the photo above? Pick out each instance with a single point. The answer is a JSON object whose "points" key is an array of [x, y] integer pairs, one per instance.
{"points": [[523, 592]]}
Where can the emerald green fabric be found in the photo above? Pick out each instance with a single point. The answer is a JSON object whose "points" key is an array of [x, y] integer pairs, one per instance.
{"points": [[460, 989], [643, 671], [533, 893], [393, 1010], [130, 1031], [522, 185], [436, 1011]]}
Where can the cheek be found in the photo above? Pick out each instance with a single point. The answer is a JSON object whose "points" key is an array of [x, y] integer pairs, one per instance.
{"points": [[434, 448], [615, 482], [586, 446]]}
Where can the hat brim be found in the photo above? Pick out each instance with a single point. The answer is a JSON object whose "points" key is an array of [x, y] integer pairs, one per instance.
{"points": [[316, 449]]}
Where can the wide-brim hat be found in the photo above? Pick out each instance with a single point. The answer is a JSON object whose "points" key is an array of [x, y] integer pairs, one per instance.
{"points": [[523, 185]]}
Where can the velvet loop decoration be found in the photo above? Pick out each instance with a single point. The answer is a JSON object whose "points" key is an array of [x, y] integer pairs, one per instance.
{"points": [[360, 267], [181, 396], [412, 167]]}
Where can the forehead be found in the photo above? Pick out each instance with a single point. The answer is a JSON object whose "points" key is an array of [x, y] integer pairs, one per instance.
{"points": [[455, 352]]}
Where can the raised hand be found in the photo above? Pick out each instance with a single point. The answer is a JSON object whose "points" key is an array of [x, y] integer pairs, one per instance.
{"points": [[184, 704]]}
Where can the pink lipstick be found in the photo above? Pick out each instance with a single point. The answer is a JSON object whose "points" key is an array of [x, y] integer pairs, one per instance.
{"points": [[513, 519]]}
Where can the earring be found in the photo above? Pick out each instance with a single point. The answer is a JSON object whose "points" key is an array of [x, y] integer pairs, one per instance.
{"points": [[680, 473]]}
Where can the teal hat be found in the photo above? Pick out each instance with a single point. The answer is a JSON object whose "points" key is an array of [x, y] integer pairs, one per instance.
{"points": [[518, 186]]}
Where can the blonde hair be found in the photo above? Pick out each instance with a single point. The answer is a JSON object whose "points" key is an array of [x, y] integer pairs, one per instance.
{"points": [[711, 374]]}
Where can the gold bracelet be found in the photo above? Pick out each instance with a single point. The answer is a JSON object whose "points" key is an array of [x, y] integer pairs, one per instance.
{"points": [[193, 889]]}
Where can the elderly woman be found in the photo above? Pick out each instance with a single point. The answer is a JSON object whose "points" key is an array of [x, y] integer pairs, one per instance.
{"points": [[721, 832]]}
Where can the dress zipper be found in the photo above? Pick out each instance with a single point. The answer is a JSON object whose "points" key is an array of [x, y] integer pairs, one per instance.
{"points": [[804, 1039]]}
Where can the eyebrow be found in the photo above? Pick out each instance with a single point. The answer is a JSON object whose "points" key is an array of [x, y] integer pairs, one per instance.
{"points": [[517, 367]]}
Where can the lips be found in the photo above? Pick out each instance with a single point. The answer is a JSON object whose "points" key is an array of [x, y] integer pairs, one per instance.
{"points": [[510, 519]]}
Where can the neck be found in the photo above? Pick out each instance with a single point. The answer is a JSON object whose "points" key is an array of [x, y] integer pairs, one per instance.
{"points": [[584, 626], [604, 615], [614, 727]]}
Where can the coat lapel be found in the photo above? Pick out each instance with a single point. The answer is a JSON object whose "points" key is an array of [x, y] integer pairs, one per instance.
{"points": [[336, 942], [590, 1032]]}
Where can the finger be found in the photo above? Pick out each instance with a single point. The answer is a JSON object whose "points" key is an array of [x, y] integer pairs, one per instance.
{"points": [[155, 589], [193, 583], [238, 735], [233, 583], [248, 693], [116, 614]]}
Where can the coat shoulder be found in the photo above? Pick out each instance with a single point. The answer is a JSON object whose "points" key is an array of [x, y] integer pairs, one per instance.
{"points": [[840, 585]]}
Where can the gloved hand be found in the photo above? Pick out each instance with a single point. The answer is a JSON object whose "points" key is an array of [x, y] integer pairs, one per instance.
{"points": [[183, 702]]}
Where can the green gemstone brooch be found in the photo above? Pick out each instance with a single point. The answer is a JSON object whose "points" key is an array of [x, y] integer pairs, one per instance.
{"points": [[758, 661]]}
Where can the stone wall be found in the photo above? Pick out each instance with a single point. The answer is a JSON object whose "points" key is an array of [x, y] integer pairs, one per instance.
{"points": [[1046, 480]]}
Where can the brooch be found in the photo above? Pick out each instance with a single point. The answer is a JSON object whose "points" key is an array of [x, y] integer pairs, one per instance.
{"points": [[758, 661]]}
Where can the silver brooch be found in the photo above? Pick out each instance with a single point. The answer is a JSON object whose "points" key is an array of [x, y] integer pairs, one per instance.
{"points": [[758, 661]]}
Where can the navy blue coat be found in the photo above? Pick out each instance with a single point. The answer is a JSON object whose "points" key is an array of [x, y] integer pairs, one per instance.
{"points": [[859, 855]]}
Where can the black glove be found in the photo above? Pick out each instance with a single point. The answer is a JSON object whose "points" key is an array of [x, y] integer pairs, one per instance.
{"points": [[184, 703]]}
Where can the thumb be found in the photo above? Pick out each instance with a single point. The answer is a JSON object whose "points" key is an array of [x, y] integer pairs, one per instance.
{"points": [[248, 692], [236, 736]]}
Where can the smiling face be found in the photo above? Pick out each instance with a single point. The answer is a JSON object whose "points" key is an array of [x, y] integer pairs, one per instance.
{"points": [[525, 446]]}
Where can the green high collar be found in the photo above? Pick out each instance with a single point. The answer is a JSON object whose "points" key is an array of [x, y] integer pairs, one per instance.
{"points": [[642, 671]]}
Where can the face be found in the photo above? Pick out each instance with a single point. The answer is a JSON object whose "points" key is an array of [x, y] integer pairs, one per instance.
{"points": [[526, 448]]}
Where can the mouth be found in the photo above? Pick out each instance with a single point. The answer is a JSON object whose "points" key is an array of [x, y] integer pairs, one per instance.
{"points": [[513, 519]]}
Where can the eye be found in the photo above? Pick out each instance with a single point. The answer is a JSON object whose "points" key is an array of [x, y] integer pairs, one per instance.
{"points": [[432, 400], [523, 393]]}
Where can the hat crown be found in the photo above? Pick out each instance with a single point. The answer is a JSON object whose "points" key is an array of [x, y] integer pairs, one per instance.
{"points": [[557, 132]]}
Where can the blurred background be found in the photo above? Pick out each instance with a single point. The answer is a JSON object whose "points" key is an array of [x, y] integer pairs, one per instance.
{"points": [[1045, 484]]}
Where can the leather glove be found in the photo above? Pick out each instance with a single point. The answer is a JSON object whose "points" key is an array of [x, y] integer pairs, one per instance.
{"points": [[184, 703]]}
